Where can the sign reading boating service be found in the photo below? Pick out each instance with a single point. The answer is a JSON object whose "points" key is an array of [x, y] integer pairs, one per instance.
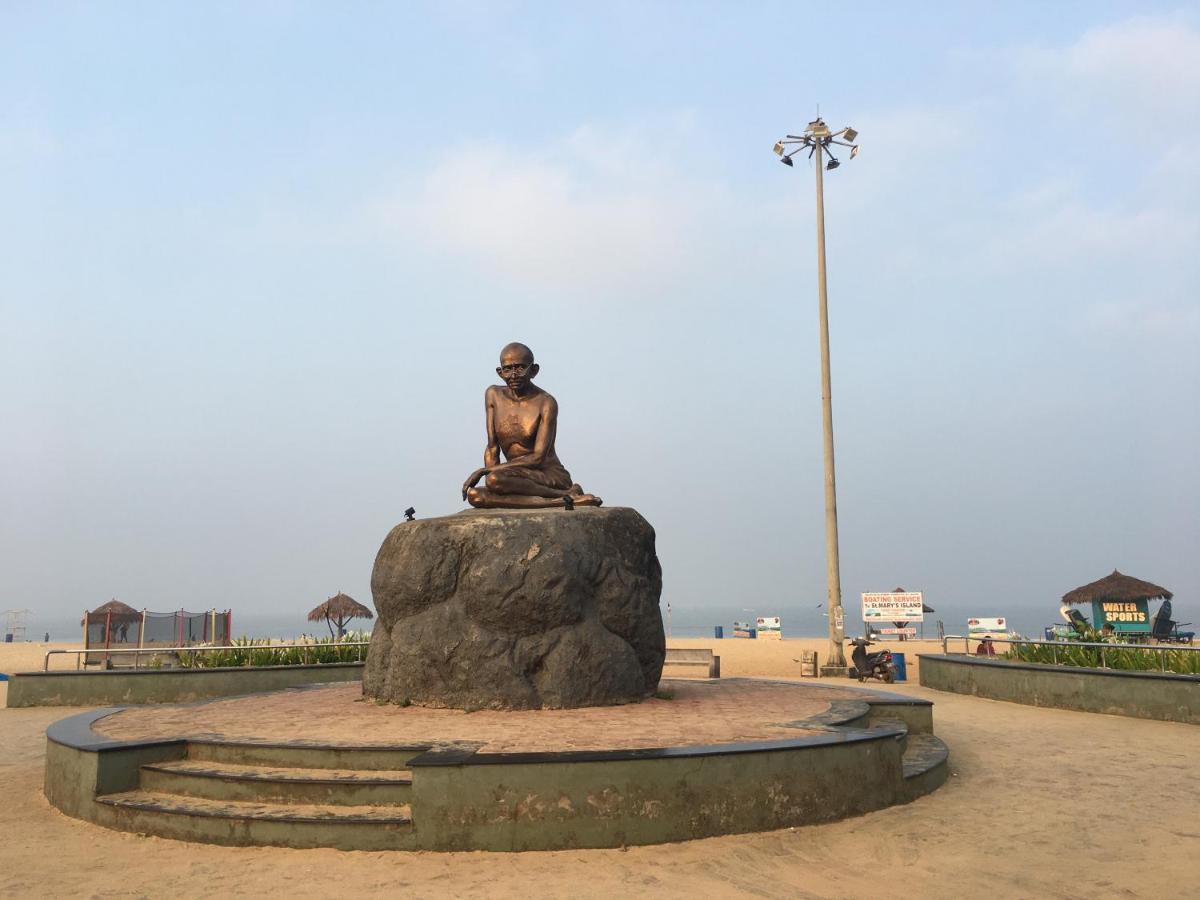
{"points": [[769, 628], [899, 607]]}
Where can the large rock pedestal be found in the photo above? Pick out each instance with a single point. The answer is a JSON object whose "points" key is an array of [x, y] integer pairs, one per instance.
{"points": [[516, 609]]}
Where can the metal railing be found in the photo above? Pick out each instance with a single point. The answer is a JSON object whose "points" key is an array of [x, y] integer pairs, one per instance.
{"points": [[1161, 649], [139, 652]]}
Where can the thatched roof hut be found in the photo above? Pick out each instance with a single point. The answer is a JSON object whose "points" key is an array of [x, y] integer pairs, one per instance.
{"points": [[1116, 588], [338, 610], [121, 612]]}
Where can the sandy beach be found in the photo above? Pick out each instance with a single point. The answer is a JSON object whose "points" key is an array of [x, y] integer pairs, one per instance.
{"points": [[781, 659], [31, 656], [1042, 803]]}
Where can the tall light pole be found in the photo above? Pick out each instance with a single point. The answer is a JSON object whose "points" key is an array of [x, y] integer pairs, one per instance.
{"points": [[817, 139]]}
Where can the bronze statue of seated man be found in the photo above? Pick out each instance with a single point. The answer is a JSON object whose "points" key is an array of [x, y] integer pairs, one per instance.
{"points": [[522, 421]]}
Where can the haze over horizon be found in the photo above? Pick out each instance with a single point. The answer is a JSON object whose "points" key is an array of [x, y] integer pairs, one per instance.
{"points": [[258, 262]]}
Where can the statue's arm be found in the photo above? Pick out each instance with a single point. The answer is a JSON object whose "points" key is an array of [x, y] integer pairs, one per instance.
{"points": [[491, 453]]}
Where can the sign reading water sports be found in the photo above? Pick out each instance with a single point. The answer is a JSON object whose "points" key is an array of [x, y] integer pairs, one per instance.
{"points": [[900, 607], [1121, 615]]}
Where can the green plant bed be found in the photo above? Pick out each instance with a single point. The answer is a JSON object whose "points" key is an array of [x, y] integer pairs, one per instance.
{"points": [[1114, 656], [262, 652]]}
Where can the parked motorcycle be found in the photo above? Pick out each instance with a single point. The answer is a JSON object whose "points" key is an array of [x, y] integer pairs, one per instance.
{"points": [[872, 665]]}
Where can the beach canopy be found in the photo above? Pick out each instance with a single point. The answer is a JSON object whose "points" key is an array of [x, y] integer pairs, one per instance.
{"points": [[338, 610], [1116, 588], [118, 610]]}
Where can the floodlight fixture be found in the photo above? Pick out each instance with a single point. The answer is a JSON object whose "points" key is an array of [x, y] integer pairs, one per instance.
{"points": [[817, 138]]}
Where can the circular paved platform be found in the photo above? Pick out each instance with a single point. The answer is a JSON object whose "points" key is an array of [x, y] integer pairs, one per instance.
{"points": [[697, 713], [320, 767]]}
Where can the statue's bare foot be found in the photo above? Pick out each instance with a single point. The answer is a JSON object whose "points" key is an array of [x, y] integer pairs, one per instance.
{"points": [[586, 499]]}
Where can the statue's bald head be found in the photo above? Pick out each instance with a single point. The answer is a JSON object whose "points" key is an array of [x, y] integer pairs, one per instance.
{"points": [[517, 367], [516, 352]]}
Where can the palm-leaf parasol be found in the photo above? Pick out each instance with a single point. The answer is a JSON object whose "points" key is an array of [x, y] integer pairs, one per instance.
{"points": [[120, 612], [1116, 588], [338, 610]]}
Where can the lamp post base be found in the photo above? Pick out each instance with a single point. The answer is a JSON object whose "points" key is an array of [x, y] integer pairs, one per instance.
{"points": [[835, 671]]}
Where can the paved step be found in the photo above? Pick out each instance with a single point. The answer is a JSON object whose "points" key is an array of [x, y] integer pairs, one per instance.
{"points": [[309, 756], [844, 714], [240, 823], [926, 764], [242, 782]]}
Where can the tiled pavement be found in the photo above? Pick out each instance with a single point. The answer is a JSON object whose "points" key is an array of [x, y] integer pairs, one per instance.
{"points": [[698, 712]]}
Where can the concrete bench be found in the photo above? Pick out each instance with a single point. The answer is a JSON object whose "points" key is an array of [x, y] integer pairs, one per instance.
{"points": [[694, 659]]}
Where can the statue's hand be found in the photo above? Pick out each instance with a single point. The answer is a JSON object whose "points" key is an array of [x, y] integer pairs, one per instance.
{"points": [[472, 480]]}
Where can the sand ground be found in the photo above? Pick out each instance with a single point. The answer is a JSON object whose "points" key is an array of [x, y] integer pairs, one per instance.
{"points": [[738, 656], [781, 659], [1042, 803], [30, 656]]}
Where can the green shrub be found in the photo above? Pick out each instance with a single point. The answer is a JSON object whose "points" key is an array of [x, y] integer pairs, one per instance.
{"points": [[264, 652], [1111, 656]]}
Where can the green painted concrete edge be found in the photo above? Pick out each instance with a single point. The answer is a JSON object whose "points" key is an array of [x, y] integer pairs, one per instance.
{"points": [[1144, 695], [81, 764], [131, 687], [554, 806]]}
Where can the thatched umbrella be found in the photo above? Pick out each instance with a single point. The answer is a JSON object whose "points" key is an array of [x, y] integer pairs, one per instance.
{"points": [[338, 610], [120, 612], [116, 617], [117, 609], [1116, 588]]}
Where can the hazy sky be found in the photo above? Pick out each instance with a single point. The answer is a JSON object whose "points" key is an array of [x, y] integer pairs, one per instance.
{"points": [[257, 260]]}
